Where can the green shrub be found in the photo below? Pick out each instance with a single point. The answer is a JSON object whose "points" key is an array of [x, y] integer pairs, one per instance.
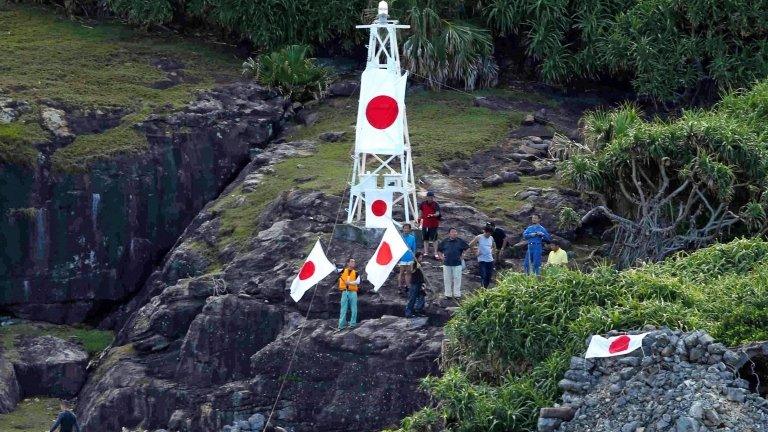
{"points": [[142, 11], [509, 346], [290, 71]]}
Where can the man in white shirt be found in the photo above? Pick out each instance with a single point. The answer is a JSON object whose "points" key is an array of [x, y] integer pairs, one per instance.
{"points": [[485, 251]]}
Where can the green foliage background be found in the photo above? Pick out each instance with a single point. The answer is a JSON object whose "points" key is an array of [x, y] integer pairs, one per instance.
{"points": [[668, 49], [671, 50], [509, 346]]}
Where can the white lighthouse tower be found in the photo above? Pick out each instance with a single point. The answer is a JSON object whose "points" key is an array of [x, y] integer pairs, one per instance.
{"points": [[382, 173]]}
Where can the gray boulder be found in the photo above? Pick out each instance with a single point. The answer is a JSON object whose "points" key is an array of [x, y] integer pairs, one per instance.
{"points": [[344, 87], [50, 366], [10, 393]]}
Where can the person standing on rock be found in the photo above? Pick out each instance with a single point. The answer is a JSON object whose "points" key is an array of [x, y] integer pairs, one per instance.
{"points": [[406, 262], [535, 235], [416, 294], [451, 252], [499, 238], [348, 284], [66, 421], [430, 216], [485, 252]]}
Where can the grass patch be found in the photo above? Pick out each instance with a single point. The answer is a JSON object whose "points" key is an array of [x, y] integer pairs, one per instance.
{"points": [[88, 148], [31, 415], [93, 341], [503, 197], [47, 56], [17, 141], [443, 126], [446, 126], [509, 346]]}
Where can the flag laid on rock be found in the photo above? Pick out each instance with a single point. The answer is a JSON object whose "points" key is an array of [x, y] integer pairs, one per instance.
{"points": [[613, 346], [387, 255], [315, 268]]}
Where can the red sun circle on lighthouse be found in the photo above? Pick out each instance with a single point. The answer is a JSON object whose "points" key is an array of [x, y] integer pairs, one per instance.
{"points": [[307, 270], [379, 208], [381, 111]]}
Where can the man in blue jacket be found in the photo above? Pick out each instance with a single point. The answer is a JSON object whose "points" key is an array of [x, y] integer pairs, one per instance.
{"points": [[66, 421], [536, 235], [406, 261]]}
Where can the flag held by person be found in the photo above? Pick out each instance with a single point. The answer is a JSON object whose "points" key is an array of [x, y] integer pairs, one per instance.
{"points": [[388, 254], [315, 268], [613, 346]]}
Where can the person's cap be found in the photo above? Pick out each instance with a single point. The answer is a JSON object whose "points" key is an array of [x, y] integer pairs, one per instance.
{"points": [[430, 193], [489, 225]]}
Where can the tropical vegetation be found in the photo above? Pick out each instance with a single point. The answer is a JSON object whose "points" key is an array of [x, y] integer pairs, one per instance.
{"points": [[291, 71], [670, 51], [508, 347], [670, 185]]}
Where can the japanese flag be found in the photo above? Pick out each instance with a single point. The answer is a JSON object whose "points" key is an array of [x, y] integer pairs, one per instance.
{"points": [[614, 346], [314, 269], [381, 112], [387, 255], [378, 208]]}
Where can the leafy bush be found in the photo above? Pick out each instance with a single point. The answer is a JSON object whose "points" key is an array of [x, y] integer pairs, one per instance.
{"points": [[677, 184], [509, 346], [143, 12], [448, 52], [290, 71]]}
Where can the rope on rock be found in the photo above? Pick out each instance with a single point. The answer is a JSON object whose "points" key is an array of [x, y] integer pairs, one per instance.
{"points": [[309, 308], [314, 292]]}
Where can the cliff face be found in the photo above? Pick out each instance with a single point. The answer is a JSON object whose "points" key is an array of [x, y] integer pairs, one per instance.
{"points": [[77, 243]]}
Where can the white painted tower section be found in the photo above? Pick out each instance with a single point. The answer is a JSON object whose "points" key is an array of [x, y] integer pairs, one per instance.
{"points": [[382, 172]]}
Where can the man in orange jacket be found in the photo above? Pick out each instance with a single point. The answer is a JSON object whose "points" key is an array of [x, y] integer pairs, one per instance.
{"points": [[348, 284]]}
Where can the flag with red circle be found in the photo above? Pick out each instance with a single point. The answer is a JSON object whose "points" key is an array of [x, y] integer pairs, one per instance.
{"points": [[387, 255], [381, 112], [315, 268], [613, 346], [378, 208]]}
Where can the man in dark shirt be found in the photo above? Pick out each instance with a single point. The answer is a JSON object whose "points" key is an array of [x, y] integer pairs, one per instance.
{"points": [[66, 421], [499, 238], [451, 252]]}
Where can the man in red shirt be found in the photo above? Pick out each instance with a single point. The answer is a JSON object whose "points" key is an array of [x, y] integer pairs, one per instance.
{"points": [[430, 220]]}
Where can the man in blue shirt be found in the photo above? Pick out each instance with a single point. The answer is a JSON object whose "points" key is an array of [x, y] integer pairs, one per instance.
{"points": [[66, 421], [536, 235], [406, 262]]}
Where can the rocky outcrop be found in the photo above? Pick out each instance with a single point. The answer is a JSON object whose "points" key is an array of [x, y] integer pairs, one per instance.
{"points": [[11, 109], [211, 349], [678, 382], [50, 366], [237, 326], [40, 366], [87, 241], [9, 386], [359, 380]]}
